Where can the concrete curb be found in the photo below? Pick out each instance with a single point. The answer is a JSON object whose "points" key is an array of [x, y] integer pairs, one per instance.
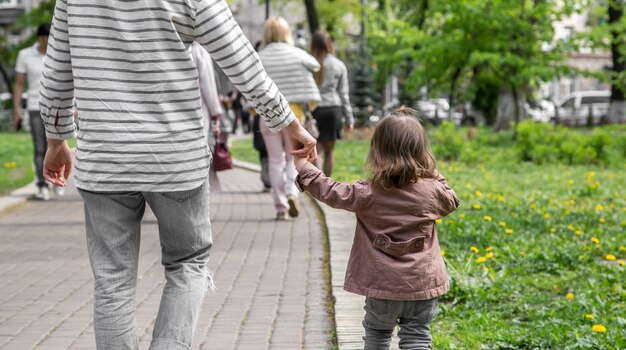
{"points": [[17, 197]]}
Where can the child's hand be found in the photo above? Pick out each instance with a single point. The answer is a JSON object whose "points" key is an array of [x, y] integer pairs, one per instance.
{"points": [[299, 162]]}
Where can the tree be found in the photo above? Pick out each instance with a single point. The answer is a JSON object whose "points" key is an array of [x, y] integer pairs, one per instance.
{"points": [[460, 48], [617, 24]]}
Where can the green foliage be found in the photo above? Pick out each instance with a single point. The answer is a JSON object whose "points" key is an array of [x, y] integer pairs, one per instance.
{"points": [[543, 143], [462, 48], [447, 143]]}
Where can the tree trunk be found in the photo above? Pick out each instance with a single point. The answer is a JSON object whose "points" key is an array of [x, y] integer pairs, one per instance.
{"points": [[509, 109], [311, 14], [617, 109]]}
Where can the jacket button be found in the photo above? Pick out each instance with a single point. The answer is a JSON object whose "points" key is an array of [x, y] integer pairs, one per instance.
{"points": [[380, 242]]}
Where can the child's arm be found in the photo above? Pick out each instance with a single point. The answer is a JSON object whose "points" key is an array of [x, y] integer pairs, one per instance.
{"points": [[447, 201], [339, 195]]}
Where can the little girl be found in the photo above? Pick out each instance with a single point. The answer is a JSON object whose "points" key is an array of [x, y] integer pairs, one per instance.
{"points": [[396, 260]]}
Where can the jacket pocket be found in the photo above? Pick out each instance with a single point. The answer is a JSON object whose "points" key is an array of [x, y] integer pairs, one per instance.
{"points": [[385, 244]]}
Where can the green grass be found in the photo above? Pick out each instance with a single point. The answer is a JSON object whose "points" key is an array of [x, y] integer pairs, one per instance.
{"points": [[563, 222], [16, 160]]}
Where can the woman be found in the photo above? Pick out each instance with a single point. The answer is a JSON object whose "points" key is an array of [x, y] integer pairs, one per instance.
{"points": [[332, 80], [291, 69], [211, 106]]}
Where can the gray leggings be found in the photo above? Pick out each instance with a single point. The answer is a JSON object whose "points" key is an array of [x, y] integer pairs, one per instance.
{"points": [[413, 317]]}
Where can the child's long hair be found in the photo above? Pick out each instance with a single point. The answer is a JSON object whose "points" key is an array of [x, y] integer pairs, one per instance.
{"points": [[400, 152]]}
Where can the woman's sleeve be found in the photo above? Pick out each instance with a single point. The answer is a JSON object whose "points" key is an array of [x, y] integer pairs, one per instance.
{"points": [[217, 31], [343, 89], [206, 73]]}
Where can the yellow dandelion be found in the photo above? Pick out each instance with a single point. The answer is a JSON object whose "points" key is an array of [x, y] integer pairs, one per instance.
{"points": [[481, 260], [487, 218], [533, 205], [569, 296], [595, 185], [508, 231], [599, 207], [598, 328], [621, 262], [595, 240], [552, 230], [443, 252], [622, 248], [500, 198], [546, 216], [489, 249], [462, 215], [610, 257], [579, 232], [570, 227], [602, 220], [474, 249], [476, 206], [571, 182], [589, 316], [479, 194], [438, 221], [522, 253], [489, 256], [502, 223], [591, 174]]}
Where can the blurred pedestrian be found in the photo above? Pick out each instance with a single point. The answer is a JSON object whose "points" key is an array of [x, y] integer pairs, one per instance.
{"points": [[28, 68], [291, 69], [395, 261], [211, 105], [141, 141], [334, 110]]}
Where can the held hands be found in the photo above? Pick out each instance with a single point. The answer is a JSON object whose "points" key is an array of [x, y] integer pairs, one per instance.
{"points": [[57, 164], [304, 145]]}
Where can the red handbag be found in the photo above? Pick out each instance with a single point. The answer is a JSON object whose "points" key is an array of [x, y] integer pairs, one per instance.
{"points": [[221, 157]]}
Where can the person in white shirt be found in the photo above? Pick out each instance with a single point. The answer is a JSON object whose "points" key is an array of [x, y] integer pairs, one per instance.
{"points": [[28, 68]]}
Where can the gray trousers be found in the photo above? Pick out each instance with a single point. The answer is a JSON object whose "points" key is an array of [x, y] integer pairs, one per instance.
{"points": [[40, 144], [113, 224], [413, 317]]}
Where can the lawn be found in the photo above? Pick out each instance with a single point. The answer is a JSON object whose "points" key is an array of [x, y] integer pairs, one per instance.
{"points": [[535, 252], [16, 160]]}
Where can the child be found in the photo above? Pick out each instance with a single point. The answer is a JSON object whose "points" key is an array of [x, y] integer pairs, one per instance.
{"points": [[396, 260]]}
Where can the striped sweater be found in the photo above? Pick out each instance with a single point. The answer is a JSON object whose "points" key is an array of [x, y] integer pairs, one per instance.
{"points": [[140, 125], [292, 69]]}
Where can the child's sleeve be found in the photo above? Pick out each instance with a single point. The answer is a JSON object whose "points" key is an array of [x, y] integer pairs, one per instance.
{"points": [[446, 200], [351, 197]]}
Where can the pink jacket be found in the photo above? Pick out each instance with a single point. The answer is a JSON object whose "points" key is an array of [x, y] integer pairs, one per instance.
{"points": [[395, 254]]}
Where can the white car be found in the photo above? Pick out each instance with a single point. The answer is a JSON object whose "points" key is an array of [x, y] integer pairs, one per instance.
{"points": [[437, 110], [581, 107]]}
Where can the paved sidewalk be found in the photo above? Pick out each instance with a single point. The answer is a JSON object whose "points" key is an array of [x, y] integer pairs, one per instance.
{"points": [[269, 275]]}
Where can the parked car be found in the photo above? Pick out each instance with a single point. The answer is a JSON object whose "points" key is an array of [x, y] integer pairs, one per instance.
{"points": [[583, 108], [540, 111], [434, 111]]}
